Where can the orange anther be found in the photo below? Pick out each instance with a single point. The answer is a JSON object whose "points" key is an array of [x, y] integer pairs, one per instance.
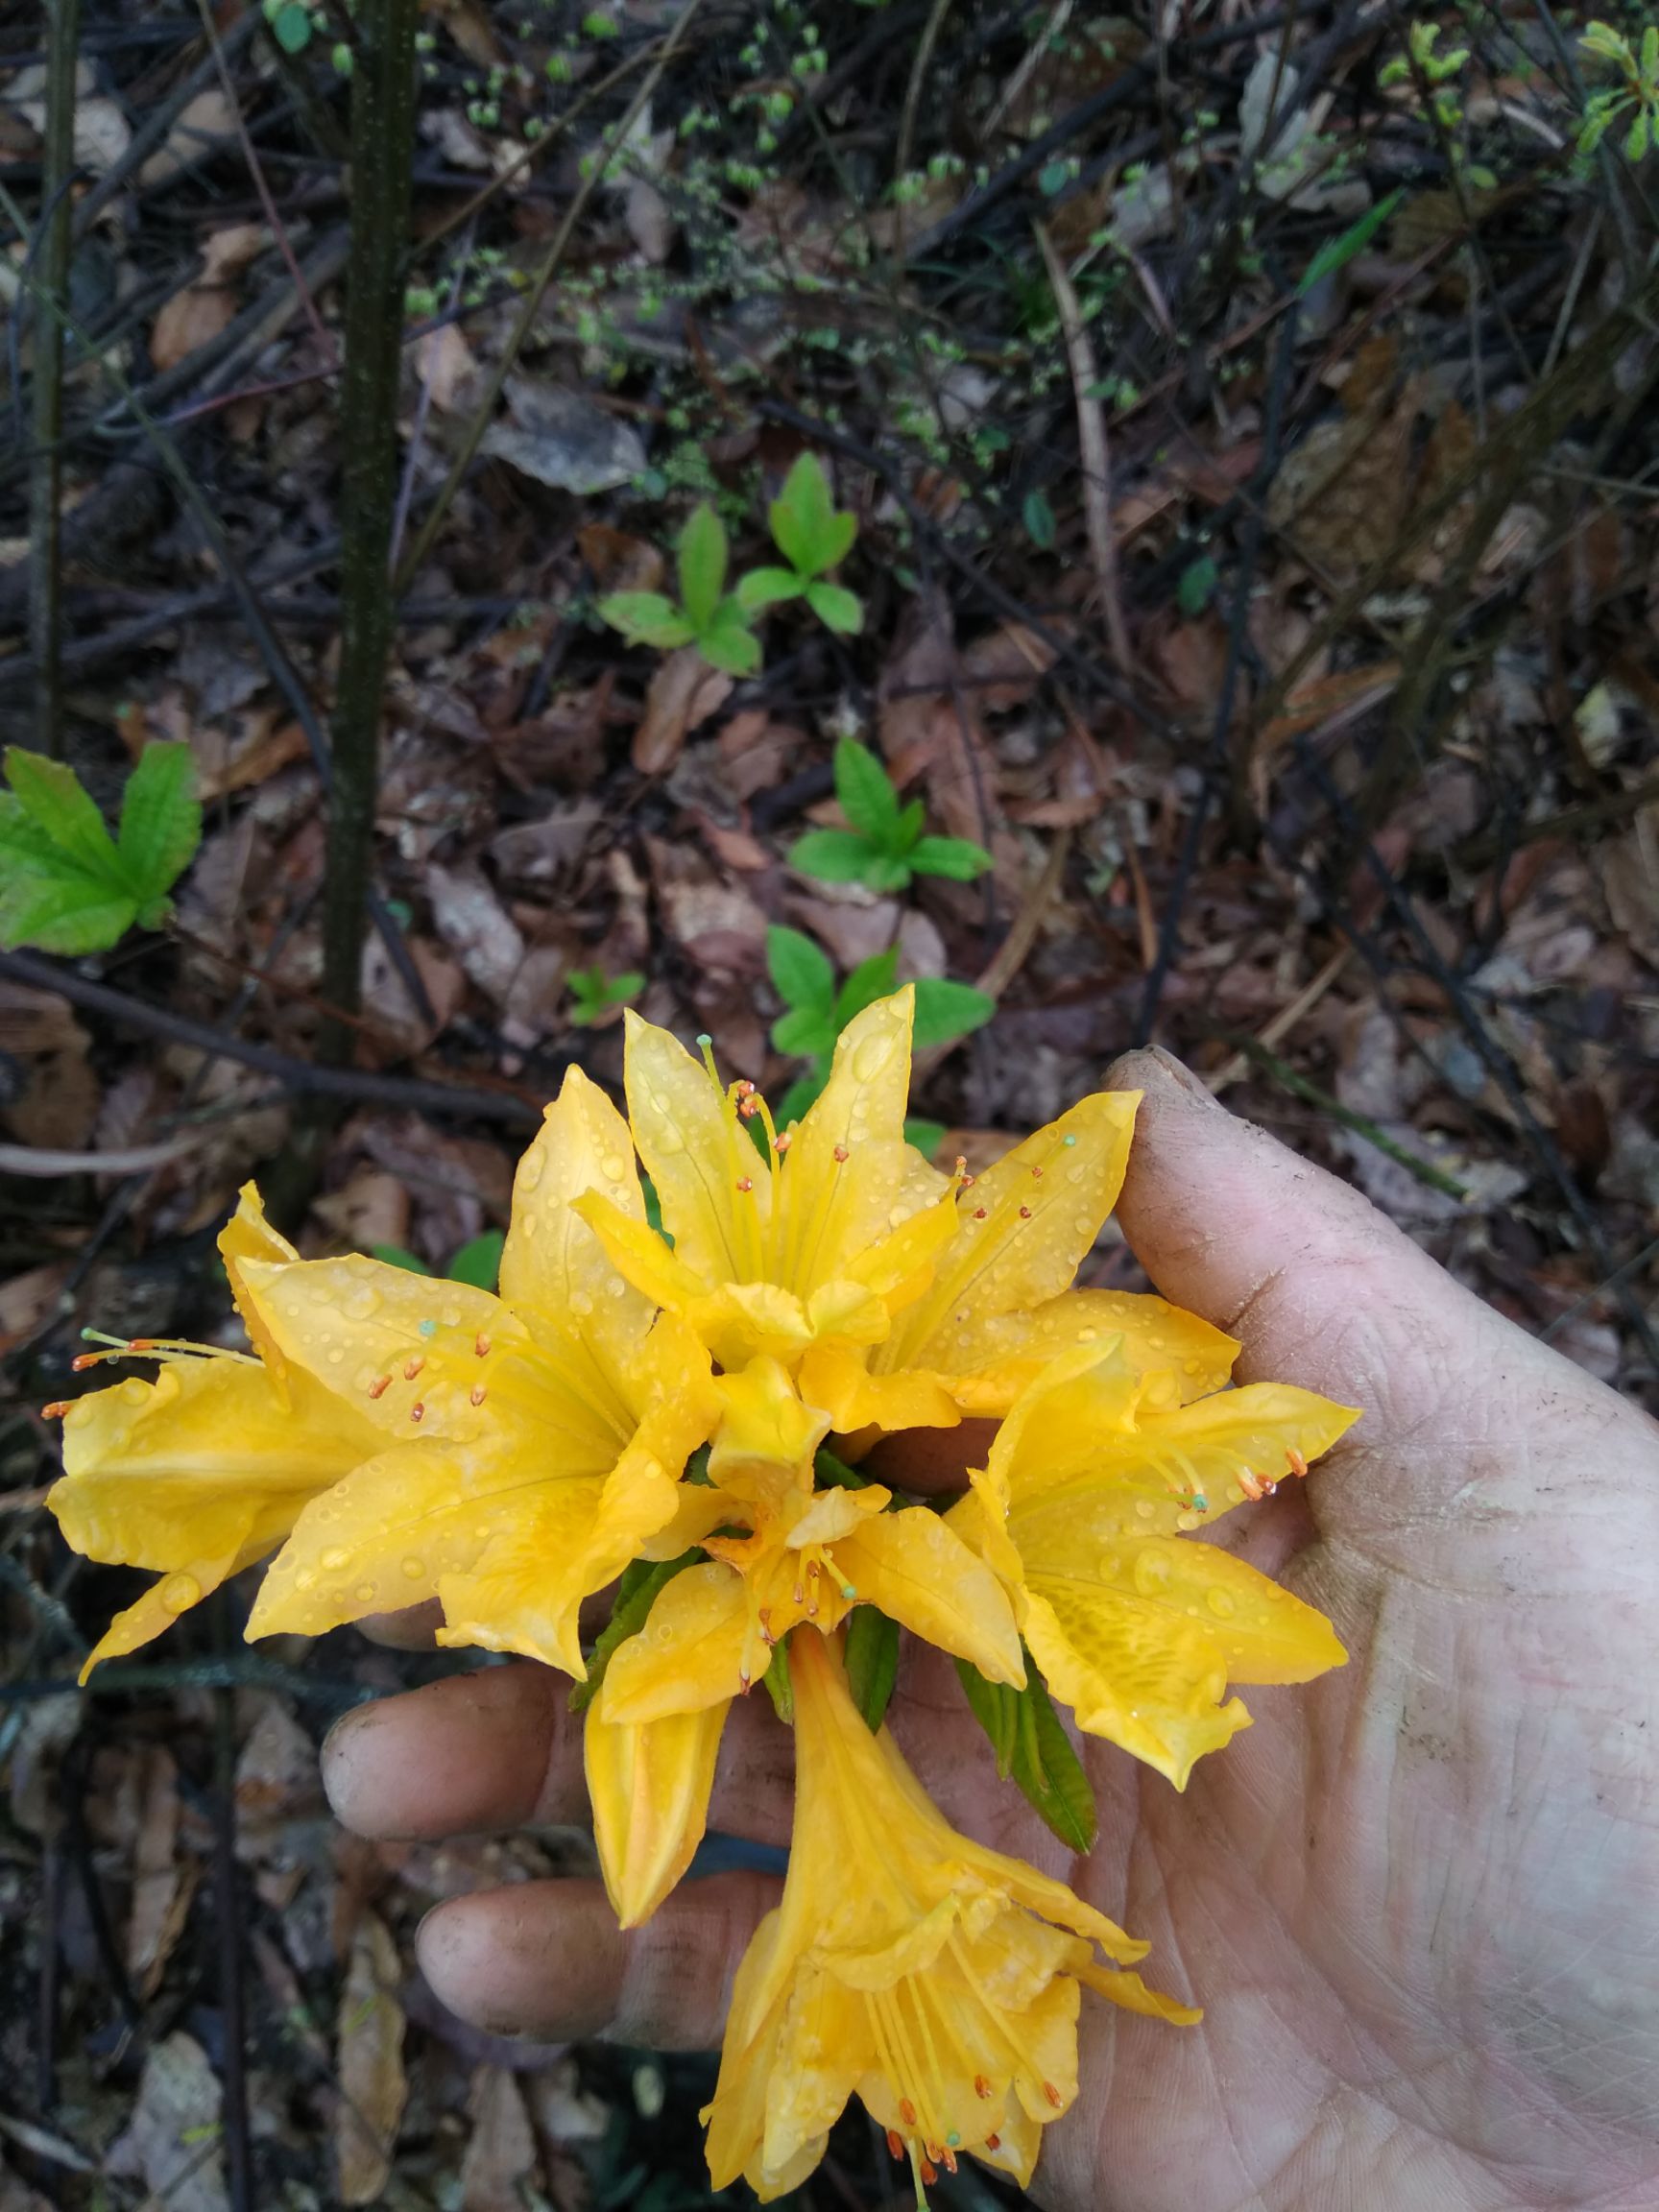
{"points": [[894, 2143], [948, 2160], [745, 1183], [85, 1359], [744, 1088], [978, 1213], [380, 1386], [993, 2142], [142, 1344], [1297, 1464], [981, 2087], [929, 2174], [413, 1368], [1053, 2095], [481, 1345], [476, 1393], [416, 1411], [841, 1153], [1036, 1174], [55, 1410], [1025, 1212], [782, 1142], [906, 2112]]}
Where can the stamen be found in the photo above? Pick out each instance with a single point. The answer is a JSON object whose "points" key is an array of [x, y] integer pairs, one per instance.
{"points": [[930, 2173], [995, 2142], [842, 1155], [906, 2112], [894, 2143], [380, 1386], [1025, 1212], [781, 1143], [55, 1410], [981, 2087], [85, 1359], [476, 1393], [745, 1183], [412, 1367], [416, 1411], [481, 1345], [1295, 1459], [748, 1108], [1053, 2095]]}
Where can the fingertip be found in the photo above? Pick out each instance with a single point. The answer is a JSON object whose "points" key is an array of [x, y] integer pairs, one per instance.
{"points": [[471, 1753]]}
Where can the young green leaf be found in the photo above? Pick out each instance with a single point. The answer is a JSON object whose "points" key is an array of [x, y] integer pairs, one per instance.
{"points": [[478, 1261], [871, 979], [872, 1662], [635, 1594], [48, 899], [866, 792], [926, 1136], [833, 856], [51, 795], [728, 642], [1031, 1744], [808, 532], [781, 1684], [765, 587], [802, 1094], [161, 824], [1336, 252], [954, 858], [400, 1255], [647, 619], [1040, 523], [799, 969], [804, 1032], [836, 607], [946, 1011], [702, 565]]}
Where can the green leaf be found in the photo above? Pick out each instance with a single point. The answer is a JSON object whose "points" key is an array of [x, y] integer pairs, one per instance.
{"points": [[702, 565], [953, 856], [1196, 586], [58, 910], [765, 587], [872, 1662], [478, 1261], [806, 1032], [635, 1594], [926, 1136], [833, 856], [161, 821], [1032, 1746], [799, 969], [729, 643], [1039, 518], [398, 1256], [836, 607], [624, 988], [945, 1010], [291, 28], [779, 1684], [647, 619], [866, 792], [808, 532], [51, 795], [802, 1094], [1337, 253], [888, 872], [910, 831], [871, 979]]}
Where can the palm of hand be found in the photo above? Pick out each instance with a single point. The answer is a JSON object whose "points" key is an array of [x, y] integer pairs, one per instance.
{"points": [[1417, 1900]]}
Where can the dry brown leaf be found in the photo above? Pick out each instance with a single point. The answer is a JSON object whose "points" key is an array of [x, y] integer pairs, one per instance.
{"points": [[476, 926], [162, 1882], [208, 303], [619, 561], [683, 694], [1343, 493], [369, 2063], [203, 124], [500, 2165], [448, 367], [172, 2139], [371, 1209], [26, 1300], [277, 1783]]}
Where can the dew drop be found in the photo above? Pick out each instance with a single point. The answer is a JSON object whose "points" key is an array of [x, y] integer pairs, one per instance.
{"points": [[360, 1302], [870, 1056], [581, 1302], [530, 1169], [303, 1578], [665, 1135], [336, 1356], [1087, 1335], [1186, 1520], [1145, 1508], [1236, 1493], [1151, 1573], [414, 1568], [180, 1592], [365, 1593], [613, 1167], [334, 1558], [1221, 1605]]}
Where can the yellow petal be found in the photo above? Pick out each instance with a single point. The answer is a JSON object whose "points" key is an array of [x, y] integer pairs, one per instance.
{"points": [[1261, 1633], [689, 1141], [163, 1602], [199, 1463], [249, 1236], [698, 1648], [920, 1574], [1132, 1993], [1063, 1422], [552, 1262], [847, 1169], [1024, 1226], [649, 1784], [1151, 1684], [834, 1377], [387, 1339], [639, 1254], [764, 1422], [1000, 1354]]}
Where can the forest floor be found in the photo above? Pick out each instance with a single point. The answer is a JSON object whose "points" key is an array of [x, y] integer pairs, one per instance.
{"points": [[1249, 424]]}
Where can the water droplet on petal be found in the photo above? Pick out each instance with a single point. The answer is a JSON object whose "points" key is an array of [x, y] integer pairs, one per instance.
{"points": [[870, 1055], [359, 1302], [1151, 1573], [180, 1592], [333, 1559], [530, 1169], [613, 1167], [414, 1568], [365, 1593], [1145, 1508], [1221, 1605]]}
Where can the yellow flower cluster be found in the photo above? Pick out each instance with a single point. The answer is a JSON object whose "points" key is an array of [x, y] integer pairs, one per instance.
{"points": [[390, 1439]]}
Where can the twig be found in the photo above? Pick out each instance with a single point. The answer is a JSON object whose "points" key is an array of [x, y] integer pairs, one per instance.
{"points": [[135, 1159], [228, 1913], [1285, 1076], [291, 1074], [1275, 1031], [51, 293], [925, 46], [382, 146], [1092, 443]]}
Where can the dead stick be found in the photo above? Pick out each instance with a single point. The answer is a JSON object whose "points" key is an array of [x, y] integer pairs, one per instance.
{"points": [[46, 473]]}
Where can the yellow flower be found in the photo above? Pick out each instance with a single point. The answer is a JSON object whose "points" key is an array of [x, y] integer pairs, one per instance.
{"points": [[648, 1784], [937, 1979], [1094, 1480], [203, 1471], [813, 1246], [529, 1443]]}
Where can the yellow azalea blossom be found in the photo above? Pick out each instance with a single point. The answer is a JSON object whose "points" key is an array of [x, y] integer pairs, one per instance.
{"points": [[203, 1471], [814, 1245], [529, 1443], [936, 1979], [648, 1784], [1095, 1479]]}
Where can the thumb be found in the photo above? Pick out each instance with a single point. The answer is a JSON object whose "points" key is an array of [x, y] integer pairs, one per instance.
{"points": [[1326, 1293]]}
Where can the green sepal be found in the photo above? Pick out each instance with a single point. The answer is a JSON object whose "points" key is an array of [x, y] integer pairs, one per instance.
{"points": [[872, 1662], [1033, 1748], [635, 1594], [779, 1686]]}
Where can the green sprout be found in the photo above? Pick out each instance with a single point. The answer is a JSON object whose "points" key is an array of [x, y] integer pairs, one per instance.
{"points": [[885, 845], [595, 993], [707, 616], [1638, 91]]}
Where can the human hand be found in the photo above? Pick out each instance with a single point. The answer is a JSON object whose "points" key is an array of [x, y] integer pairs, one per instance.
{"points": [[1417, 1899]]}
